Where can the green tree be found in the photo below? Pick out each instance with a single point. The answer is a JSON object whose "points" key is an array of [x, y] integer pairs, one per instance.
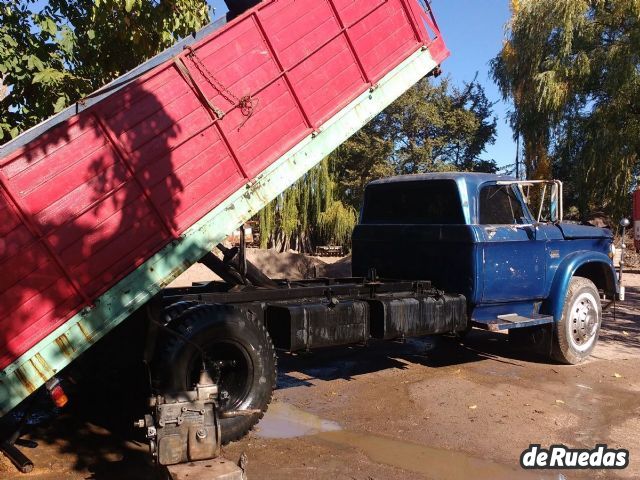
{"points": [[307, 214], [53, 55], [430, 128], [572, 70]]}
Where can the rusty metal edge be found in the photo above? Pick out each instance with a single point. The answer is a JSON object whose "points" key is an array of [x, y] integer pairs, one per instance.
{"points": [[66, 343]]}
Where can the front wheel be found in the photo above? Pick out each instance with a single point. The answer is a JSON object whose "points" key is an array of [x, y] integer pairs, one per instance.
{"points": [[238, 354], [577, 331]]}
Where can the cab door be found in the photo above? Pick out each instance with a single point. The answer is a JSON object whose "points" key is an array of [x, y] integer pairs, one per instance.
{"points": [[514, 248]]}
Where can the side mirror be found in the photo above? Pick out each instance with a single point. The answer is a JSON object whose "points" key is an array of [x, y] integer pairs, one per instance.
{"points": [[624, 223]]}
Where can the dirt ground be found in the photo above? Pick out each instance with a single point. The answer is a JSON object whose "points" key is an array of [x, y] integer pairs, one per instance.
{"points": [[433, 408]]}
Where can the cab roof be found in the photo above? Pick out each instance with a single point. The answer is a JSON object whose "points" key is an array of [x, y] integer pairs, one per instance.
{"points": [[468, 185], [470, 178]]}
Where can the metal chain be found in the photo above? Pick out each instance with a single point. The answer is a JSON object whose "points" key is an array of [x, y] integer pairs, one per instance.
{"points": [[247, 103]]}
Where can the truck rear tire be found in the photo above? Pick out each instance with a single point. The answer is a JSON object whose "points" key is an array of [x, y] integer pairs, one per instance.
{"points": [[577, 331], [240, 357]]}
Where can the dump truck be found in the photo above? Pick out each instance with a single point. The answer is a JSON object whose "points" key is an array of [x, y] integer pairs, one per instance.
{"points": [[106, 203]]}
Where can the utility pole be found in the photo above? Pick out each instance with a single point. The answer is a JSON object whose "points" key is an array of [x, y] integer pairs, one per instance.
{"points": [[518, 156]]}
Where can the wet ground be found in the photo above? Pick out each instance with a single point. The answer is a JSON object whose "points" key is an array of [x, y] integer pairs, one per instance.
{"points": [[432, 408]]}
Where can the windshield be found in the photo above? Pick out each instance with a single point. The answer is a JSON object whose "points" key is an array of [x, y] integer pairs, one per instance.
{"points": [[499, 205]]}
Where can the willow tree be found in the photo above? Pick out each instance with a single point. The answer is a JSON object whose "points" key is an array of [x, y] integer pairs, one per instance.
{"points": [[307, 214], [54, 53], [572, 70]]}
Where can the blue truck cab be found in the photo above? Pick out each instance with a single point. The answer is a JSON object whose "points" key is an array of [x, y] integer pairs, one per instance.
{"points": [[475, 234]]}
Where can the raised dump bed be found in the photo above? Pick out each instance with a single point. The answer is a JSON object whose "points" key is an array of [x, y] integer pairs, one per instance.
{"points": [[108, 202]]}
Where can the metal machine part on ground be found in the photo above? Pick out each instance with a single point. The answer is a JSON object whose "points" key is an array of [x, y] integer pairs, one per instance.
{"points": [[184, 426]]}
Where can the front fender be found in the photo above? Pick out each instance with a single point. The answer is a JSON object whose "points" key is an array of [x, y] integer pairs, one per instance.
{"points": [[566, 270]]}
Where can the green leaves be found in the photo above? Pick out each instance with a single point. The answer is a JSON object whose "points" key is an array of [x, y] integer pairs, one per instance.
{"points": [[54, 53], [9, 41], [48, 25], [49, 75], [60, 104], [307, 214], [573, 73], [34, 63]]}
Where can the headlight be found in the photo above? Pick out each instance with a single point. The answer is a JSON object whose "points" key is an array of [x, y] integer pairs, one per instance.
{"points": [[612, 251]]}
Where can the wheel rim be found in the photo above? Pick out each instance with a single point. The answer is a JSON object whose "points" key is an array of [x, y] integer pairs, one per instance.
{"points": [[231, 369], [584, 322]]}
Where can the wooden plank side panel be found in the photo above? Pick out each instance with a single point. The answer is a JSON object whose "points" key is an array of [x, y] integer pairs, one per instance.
{"points": [[326, 90], [233, 64], [35, 297], [297, 29], [34, 314], [383, 38], [206, 173], [311, 44], [282, 126], [351, 11]]}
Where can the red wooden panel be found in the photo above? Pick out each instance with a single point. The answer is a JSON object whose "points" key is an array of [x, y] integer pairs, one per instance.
{"points": [[123, 113], [282, 126], [8, 220], [104, 269], [351, 11], [297, 29], [326, 90], [203, 170], [57, 138], [31, 286], [19, 268], [384, 38], [98, 226], [239, 59], [37, 316], [15, 241]]}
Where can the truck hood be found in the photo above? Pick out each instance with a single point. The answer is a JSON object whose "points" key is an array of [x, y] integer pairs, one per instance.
{"points": [[572, 230]]}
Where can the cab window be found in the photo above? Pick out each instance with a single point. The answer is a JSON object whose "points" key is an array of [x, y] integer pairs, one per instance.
{"points": [[429, 202], [499, 205]]}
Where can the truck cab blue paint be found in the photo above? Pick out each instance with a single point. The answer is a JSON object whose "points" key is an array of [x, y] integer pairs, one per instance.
{"points": [[524, 267]]}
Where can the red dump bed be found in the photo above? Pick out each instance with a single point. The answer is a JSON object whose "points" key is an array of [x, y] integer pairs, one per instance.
{"points": [[92, 197]]}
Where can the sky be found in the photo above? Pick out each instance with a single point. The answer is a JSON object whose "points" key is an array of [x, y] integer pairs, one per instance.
{"points": [[473, 31]]}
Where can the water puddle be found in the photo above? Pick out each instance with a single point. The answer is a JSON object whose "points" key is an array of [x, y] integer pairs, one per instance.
{"points": [[286, 421], [433, 463]]}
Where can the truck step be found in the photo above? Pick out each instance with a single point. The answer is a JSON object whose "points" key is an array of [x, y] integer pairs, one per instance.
{"points": [[511, 320]]}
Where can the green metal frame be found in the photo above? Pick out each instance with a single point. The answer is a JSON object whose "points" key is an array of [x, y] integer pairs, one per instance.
{"points": [[66, 343]]}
